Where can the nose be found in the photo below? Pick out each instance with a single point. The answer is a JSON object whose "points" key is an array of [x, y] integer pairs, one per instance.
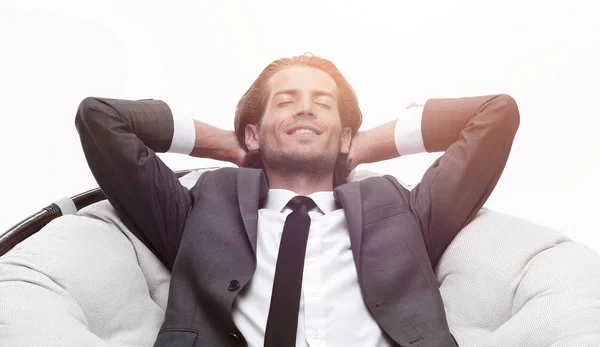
{"points": [[305, 109]]}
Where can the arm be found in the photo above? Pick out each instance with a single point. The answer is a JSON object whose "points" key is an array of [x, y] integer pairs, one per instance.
{"points": [[119, 139], [214, 143], [476, 135], [373, 145], [390, 140]]}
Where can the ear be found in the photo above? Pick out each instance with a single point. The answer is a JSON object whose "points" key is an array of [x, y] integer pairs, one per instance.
{"points": [[251, 137], [346, 140]]}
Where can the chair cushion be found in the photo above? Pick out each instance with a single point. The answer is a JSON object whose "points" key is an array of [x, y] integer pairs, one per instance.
{"points": [[510, 282], [85, 280]]}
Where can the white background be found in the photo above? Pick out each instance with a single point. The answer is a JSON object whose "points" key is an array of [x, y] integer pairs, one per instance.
{"points": [[200, 57]]}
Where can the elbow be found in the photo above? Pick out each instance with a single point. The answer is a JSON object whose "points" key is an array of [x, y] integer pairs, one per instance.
{"points": [[507, 112], [87, 110], [87, 107]]}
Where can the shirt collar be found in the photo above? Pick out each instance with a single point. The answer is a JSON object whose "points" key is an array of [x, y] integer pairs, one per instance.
{"points": [[277, 199]]}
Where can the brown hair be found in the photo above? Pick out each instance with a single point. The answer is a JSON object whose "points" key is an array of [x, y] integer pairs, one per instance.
{"points": [[251, 107]]}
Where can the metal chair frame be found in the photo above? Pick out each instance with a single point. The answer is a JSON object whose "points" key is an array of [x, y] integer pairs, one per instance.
{"points": [[38, 220]]}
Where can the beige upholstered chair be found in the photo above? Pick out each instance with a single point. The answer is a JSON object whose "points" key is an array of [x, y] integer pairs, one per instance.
{"points": [[85, 280]]}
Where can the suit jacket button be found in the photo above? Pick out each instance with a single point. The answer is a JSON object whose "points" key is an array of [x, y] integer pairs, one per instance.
{"points": [[234, 285], [234, 336]]}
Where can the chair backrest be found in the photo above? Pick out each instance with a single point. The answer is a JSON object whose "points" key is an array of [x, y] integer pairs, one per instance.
{"points": [[38, 220]]}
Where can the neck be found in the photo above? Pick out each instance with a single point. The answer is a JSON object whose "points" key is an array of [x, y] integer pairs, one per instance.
{"points": [[300, 183]]}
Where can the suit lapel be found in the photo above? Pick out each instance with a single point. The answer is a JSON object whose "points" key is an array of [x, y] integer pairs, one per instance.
{"points": [[252, 188], [349, 197]]}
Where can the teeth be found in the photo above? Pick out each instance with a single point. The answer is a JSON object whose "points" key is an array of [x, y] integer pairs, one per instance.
{"points": [[303, 131]]}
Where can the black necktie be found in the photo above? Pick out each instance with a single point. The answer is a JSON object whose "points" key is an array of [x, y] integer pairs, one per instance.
{"points": [[287, 285]]}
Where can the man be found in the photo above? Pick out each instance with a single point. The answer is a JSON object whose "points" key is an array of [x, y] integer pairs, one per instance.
{"points": [[351, 266]]}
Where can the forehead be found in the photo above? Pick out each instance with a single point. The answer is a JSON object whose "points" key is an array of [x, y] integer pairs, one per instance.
{"points": [[302, 78]]}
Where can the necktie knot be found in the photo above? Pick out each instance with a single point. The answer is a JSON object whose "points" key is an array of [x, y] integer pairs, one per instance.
{"points": [[301, 200]]}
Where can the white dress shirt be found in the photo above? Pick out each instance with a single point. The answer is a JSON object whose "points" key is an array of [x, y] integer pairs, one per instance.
{"points": [[332, 310]]}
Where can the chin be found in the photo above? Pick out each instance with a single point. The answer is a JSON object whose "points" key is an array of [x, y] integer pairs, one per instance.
{"points": [[300, 161]]}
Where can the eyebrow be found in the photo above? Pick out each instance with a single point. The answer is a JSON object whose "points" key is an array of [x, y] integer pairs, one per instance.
{"points": [[297, 91]]}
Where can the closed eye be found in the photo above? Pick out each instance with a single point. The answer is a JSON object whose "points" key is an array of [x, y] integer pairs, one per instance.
{"points": [[326, 106], [284, 103]]}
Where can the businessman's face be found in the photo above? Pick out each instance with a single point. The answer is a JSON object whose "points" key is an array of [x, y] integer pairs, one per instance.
{"points": [[301, 127]]}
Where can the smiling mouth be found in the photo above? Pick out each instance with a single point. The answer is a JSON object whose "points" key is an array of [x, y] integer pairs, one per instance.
{"points": [[303, 132]]}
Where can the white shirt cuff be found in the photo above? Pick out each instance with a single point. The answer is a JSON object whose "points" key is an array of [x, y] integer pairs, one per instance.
{"points": [[184, 136], [407, 133]]}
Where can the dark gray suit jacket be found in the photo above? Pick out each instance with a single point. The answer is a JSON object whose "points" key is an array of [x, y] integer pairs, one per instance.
{"points": [[207, 235]]}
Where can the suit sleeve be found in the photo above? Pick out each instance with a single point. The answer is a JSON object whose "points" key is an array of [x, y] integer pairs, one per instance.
{"points": [[120, 139], [476, 134]]}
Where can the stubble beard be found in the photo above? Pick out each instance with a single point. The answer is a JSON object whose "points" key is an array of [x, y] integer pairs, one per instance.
{"points": [[298, 163]]}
